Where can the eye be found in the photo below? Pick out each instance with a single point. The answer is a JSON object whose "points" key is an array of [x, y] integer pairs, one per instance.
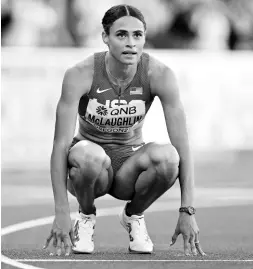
{"points": [[138, 35], [121, 35]]}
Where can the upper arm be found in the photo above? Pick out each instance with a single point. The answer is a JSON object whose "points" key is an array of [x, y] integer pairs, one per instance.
{"points": [[164, 85], [66, 109], [76, 82]]}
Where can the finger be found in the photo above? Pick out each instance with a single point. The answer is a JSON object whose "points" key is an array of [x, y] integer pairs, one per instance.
{"points": [[198, 247], [52, 253], [72, 238], [67, 246], [174, 238], [193, 247], [48, 241], [67, 250], [186, 246], [58, 247]]}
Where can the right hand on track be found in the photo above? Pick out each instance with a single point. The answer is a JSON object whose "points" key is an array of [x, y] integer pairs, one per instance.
{"points": [[61, 232]]}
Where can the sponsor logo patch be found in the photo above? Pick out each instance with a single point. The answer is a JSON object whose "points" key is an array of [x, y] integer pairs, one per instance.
{"points": [[101, 110]]}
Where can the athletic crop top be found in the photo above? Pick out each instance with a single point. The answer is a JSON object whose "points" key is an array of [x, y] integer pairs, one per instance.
{"points": [[108, 116]]}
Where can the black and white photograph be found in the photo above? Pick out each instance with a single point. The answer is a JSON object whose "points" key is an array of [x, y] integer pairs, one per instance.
{"points": [[127, 134]]}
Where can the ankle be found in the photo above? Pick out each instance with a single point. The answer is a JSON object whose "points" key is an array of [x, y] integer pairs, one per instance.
{"points": [[88, 212], [127, 212], [130, 212]]}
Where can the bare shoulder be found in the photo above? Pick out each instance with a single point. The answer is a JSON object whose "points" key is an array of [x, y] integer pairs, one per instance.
{"points": [[85, 67], [156, 66], [79, 77], [162, 79]]}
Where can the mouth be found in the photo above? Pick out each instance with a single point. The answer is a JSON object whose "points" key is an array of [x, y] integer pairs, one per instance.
{"points": [[128, 52]]}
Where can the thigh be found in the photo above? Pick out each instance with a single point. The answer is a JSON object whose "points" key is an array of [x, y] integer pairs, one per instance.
{"points": [[142, 160], [90, 154]]}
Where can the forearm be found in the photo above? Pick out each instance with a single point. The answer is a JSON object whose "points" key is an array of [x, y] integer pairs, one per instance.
{"points": [[186, 178], [59, 178], [186, 171], [179, 139]]}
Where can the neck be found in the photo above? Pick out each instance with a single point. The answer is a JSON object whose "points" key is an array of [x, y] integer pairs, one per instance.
{"points": [[119, 70]]}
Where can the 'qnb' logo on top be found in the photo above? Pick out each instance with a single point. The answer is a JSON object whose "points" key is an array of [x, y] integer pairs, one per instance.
{"points": [[101, 110]]}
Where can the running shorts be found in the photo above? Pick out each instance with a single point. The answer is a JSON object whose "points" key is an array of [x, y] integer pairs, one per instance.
{"points": [[117, 153]]}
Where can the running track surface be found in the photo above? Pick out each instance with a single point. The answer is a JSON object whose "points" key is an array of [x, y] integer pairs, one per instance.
{"points": [[224, 199]]}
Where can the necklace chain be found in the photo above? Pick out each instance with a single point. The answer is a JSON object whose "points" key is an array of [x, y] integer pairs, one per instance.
{"points": [[125, 81], [117, 79]]}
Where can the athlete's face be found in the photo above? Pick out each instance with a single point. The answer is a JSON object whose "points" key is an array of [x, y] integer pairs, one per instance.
{"points": [[126, 39]]}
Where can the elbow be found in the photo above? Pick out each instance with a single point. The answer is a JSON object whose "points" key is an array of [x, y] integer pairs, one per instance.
{"points": [[61, 146]]}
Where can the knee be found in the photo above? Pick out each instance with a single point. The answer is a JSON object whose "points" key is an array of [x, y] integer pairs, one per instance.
{"points": [[165, 160], [87, 159]]}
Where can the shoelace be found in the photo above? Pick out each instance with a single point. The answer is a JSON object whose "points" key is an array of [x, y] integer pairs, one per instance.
{"points": [[139, 228], [84, 228]]}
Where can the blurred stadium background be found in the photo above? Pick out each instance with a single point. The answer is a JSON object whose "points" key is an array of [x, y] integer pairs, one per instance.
{"points": [[207, 43]]}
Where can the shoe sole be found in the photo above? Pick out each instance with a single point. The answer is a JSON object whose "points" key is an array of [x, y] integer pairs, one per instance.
{"points": [[139, 252], [81, 252]]}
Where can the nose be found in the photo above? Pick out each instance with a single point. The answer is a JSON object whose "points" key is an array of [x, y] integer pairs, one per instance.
{"points": [[131, 42]]}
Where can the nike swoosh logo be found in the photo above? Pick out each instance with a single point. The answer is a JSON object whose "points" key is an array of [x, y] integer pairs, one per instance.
{"points": [[105, 90], [136, 148]]}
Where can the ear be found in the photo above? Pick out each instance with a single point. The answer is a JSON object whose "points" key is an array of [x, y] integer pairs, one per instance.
{"points": [[105, 38]]}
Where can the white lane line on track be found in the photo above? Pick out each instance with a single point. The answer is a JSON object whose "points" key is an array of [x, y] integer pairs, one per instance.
{"points": [[17, 264], [44, 221], [84, 260], [40, 222], [158, 206]]}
